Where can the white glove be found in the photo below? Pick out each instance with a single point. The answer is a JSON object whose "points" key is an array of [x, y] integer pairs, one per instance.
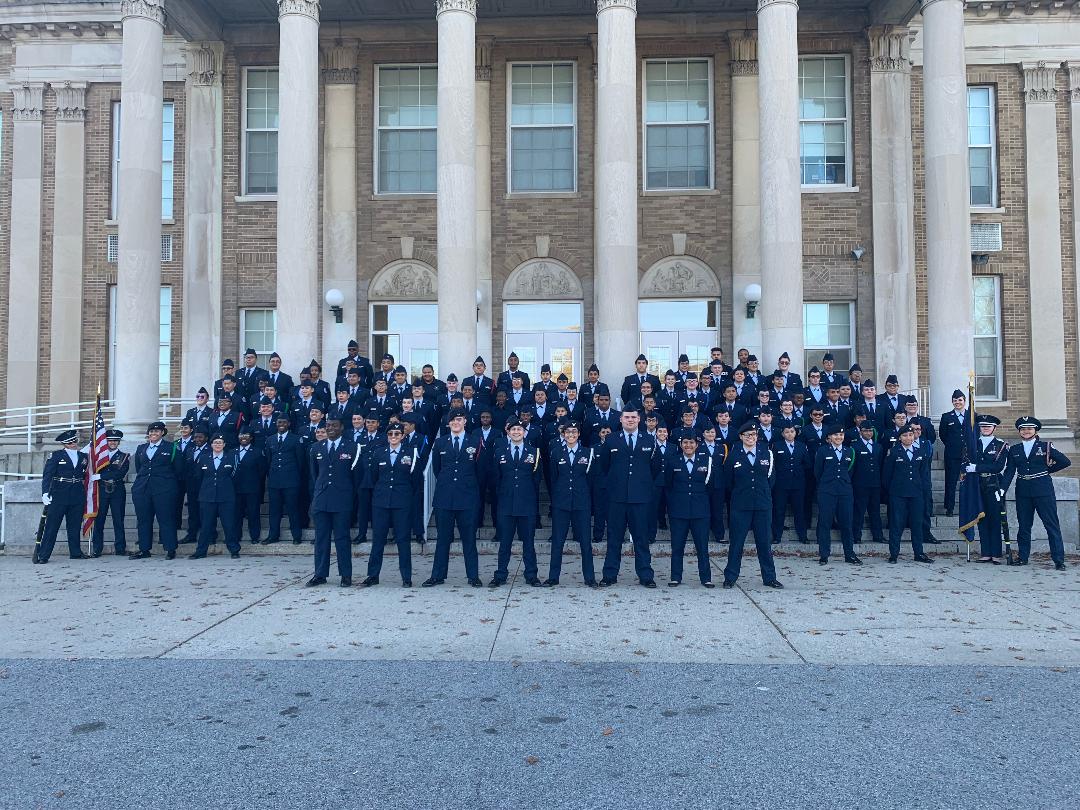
{"points": [[46, 498], [1001, 494], [970, 468]]}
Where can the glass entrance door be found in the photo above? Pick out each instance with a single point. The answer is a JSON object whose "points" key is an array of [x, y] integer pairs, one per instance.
{"points": [[410, 332], [672, 328], [545, 333]]}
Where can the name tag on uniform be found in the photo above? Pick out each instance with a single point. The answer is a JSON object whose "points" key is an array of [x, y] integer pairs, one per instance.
{"points": [[562, 460], [737, 465], [344, 457], [702, 469]]}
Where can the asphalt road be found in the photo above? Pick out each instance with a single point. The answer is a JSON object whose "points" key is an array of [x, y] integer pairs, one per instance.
{"points": [[395, 734]]}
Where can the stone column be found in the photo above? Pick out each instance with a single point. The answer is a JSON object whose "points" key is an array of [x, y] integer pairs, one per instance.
{"points": [[781, 310], [339, 193], [456, 178], [1073, 69], [1044, 242], [745, 189], [24, 288], [891, 172], [138, 285], [298, 301], [484, 338], [67, 259], [948, 219], [201, 319], [616, 272]]}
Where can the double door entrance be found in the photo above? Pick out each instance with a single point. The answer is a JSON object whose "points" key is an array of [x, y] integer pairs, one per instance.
{"points": [[673, 328]]}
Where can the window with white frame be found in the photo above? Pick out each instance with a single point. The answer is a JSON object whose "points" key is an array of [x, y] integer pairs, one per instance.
{"points": [[829, 326], [824, 121], [982, 146], [678, 124], [986, 291], [542, 124], [258, 331], [168, 144], [164, 341], [260, 127], [407, 102]]}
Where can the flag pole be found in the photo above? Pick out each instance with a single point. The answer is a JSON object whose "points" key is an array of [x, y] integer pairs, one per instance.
{"points": [[968, 537]]}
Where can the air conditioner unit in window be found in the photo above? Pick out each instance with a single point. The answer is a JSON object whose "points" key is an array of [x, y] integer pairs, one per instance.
{"points": [[166, 247], [985, 237], [112, 248]]}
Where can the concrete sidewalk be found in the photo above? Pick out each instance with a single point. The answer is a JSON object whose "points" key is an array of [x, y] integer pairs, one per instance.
{"points": [[257, 608]]}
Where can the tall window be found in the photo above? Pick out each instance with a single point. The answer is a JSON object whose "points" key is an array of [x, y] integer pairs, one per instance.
{"points": [[542, 127], [987, 308], [261, 117], [829, 327], [982, 146], [168, 141], [258, 331], [164, 341], [824, 121], [678, 124], [407, 100]]}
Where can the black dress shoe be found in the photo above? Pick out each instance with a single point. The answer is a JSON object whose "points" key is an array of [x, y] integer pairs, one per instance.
{"points": [[932, 540], [496, 582], [39, 561], [649, 584], [431, 583], [79, 556], [550, 583], [94, 555], [823, 561], [592, 583], [171, 555], [728, 585], [853, 560], [369, 581], [311, 583], [708, 584], [268, 541], [607, 583], [235, 555], [892, 558], [1059, 566], [198, 555], [948, 513], [139, 555], [476, 583], [346, 582], [673, 584], [922, 558], [774, 584], [406, 583], [534, 582]]}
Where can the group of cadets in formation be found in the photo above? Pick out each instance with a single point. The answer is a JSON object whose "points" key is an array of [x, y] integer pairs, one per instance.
{"points": [[722, 452]]}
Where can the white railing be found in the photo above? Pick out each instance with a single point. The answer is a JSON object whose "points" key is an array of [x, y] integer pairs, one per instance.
{"points": [[3, 502], [429, 494], [37, 423], [922, 395]]}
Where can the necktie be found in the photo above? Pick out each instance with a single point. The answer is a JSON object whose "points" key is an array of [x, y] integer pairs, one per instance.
{"points": [[689, 466], [641, 379], [910, 456], [750, 458], [151, 450], [517, 454], [839, 454], [791, 448], [572, 454], [870, 446], [333, 447], [217, 462], [242, 454], [871, 408], [630, 441], [457, 444], [281, 439], [393, 457]]}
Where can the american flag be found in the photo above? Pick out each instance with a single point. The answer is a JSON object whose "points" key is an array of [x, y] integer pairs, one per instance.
{"points": [[99, 459]]}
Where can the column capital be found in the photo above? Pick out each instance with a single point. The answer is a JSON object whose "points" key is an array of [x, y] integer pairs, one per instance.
{"points": [[604, 5], [743, 53], [153, 10], [468, 6], [1073, 69], [28, 101], [1039, 79], [764, 4], [202, 66], [70, 101], [339, 63], [890, 48], [484, 47], [302, 8]]}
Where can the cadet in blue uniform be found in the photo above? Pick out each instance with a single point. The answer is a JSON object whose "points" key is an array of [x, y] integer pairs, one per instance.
{"points": [[112, 500], [953, 431], [63, 491], [990, 466], [791, 462], [631, 387], [154, 493], [1031, 462], [202, 412], [393, 470], [248, 482], [516, 468], [572, 467], [629, 459], [835, 499], [903, 477], [369, 440], [333, 465], [866, 483], [688, 480], [285, 468], [217, 498], [748, 477], [455, 463]]}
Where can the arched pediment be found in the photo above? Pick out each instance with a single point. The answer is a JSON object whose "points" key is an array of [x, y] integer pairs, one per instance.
{"points": [[547, 279], [679, 276], [405, 279]]}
